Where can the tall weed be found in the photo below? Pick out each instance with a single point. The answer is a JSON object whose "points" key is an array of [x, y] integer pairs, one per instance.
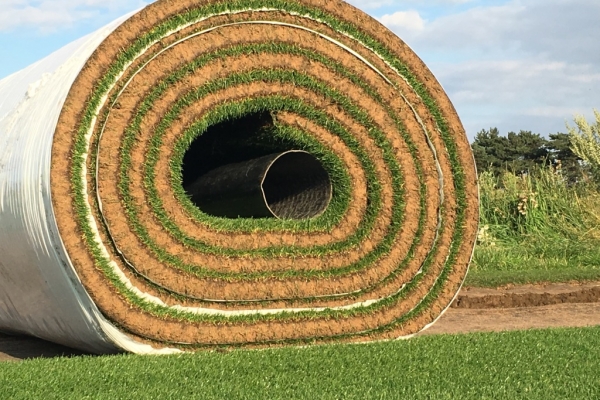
{"points": [[536, 227], [585, 142], [542, 202]]}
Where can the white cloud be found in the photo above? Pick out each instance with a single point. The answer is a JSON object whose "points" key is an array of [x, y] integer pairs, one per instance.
{"points": [[52, 15], [403, 21], [553, 111], [522, 65], [552, 28], [374, 4], [529, 94], [516, 80]]}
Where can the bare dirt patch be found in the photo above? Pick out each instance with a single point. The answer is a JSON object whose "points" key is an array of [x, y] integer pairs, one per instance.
{"points": [[528, 295], [464, 320]]}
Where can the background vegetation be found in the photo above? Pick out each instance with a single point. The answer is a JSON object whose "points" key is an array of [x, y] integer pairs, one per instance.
{"points": [[540, 206]]}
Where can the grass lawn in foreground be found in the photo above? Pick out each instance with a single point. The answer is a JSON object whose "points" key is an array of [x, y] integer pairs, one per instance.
{"points": [[539, 364]]}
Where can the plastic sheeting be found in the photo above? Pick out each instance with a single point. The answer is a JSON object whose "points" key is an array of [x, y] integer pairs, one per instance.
{"points": [[40, 293]]}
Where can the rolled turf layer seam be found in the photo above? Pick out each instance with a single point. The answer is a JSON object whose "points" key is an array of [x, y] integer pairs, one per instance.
{"points": [[183, 85]]}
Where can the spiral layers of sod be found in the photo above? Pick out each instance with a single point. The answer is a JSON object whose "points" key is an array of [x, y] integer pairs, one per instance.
{"points": [[169, 274]]}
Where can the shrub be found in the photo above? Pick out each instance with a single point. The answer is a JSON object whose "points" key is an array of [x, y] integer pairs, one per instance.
{"points": [[585, 142]]}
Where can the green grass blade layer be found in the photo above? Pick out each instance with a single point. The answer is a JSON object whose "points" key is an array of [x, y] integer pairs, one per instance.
{"points": [[541, 364]]}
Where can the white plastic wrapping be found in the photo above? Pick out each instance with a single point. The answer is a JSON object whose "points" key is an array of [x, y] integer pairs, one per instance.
{"points": [[40, 293]]}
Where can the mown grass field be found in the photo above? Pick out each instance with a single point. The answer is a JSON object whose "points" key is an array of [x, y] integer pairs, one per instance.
{"points": [[544, 364], [536, 228]]}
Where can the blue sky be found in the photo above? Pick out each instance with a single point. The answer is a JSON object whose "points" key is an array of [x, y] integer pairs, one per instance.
{"points": [[511, 64]]}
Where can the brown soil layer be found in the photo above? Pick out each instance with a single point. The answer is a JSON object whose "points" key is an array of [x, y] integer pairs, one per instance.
{"points": [[458, 321], [580, 311], [528, 296], [116, 308]]}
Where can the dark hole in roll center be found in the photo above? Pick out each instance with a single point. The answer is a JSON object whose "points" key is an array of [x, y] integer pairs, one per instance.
{"points": [[241, 168], [296, 186], [289, 185]]}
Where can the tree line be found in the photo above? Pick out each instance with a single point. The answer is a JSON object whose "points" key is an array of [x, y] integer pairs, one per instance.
{"points": [[575, 154], [526, 152]]}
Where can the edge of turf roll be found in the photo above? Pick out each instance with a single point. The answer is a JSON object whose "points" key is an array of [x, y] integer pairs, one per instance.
{"points": [[182, 88]]}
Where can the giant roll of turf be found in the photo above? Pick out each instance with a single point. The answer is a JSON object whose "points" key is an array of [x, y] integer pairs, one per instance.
{"points": [[239, 173]]}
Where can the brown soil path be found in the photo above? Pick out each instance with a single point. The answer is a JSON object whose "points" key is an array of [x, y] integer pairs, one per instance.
{"points": [[528, 295], [475, 310], [464, 320]]}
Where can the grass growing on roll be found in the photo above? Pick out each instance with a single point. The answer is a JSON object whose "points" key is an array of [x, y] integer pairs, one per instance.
{"points": [[340, 178]]}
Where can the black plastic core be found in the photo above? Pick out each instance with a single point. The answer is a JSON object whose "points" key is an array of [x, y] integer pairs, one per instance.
{"points": [[239, 169]]}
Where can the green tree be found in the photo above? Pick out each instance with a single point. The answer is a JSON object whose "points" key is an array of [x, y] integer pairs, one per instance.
{"points": [[564, 158], [527, 150], [490, 150], [516, 152]]}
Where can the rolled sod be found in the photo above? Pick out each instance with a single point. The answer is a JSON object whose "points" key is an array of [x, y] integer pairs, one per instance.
{"points": [[244, 173]]}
